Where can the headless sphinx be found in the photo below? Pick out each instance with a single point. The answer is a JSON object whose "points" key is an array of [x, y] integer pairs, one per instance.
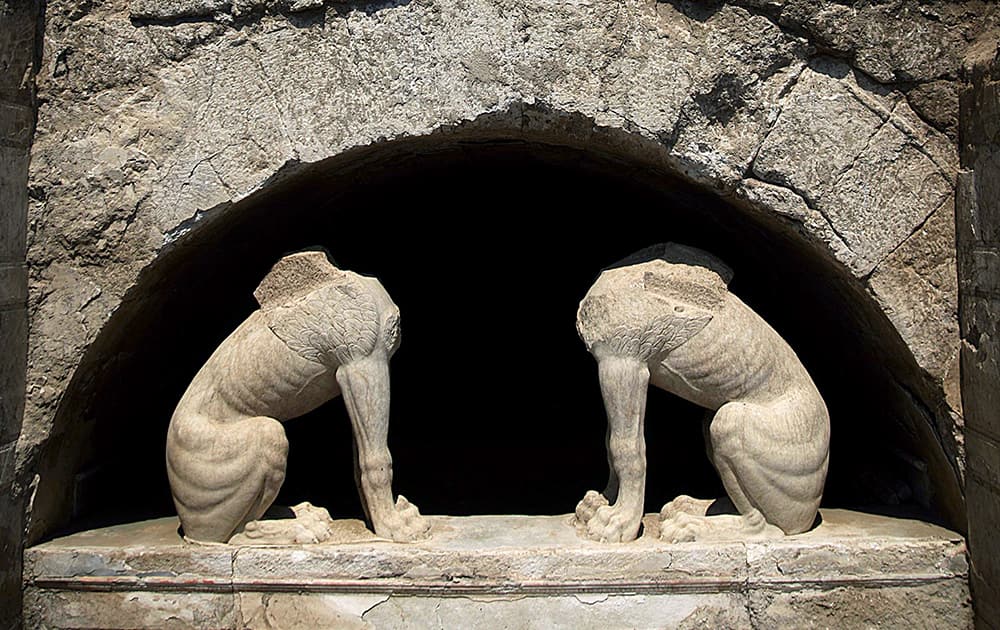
{"points": [[665, 317], [319, 332]]}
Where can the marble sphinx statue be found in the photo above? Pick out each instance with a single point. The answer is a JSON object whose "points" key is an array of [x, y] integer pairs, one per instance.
{"points": [[319, 332], [665, 316]]}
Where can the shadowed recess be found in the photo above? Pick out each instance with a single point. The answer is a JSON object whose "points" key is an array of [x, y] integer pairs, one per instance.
{"points": [[487, 248]]}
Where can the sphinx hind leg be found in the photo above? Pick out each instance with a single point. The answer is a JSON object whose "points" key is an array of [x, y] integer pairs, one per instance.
{"points": [[772, 459], [224, 474]]}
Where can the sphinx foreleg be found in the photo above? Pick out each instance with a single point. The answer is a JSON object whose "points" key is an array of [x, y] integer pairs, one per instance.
{"points": [[365, 387]]}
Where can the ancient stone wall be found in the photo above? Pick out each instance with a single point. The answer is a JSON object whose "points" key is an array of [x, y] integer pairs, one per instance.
{"points": [[979, 283], [18, 29], [836, 123]]}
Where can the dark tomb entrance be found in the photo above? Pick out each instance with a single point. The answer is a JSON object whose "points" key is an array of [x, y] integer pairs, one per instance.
{"points": [[487, 248]]}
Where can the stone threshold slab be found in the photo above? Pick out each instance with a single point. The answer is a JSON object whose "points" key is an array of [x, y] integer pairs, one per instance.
{"points": [[505, 555]]}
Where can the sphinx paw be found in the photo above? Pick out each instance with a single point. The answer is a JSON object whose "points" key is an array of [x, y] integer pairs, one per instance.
{"points": [[681, 527], [586, 508], [404, 524], [596, 520]]}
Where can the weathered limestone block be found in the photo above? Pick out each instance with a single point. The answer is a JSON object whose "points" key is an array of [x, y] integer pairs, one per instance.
{"points": [[508, 571], [893, 174], [937, 103], [822, 127], [731, 105], [666, 317], [19, 35], [595, 611], [319, 332], [894, 41], [944, 605], [297, 610], [13, 168], [851, 149], [13, 336], [174, 9], [926, 261], [11, 534], [984, 572], [159, 611], [978, 228]]}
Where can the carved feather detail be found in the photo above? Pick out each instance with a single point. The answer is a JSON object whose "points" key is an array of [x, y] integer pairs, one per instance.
{"points": [[650, 308], [332, 325]]}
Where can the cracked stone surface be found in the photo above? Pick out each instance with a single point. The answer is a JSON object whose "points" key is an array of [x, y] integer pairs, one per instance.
{"points": [[506, 571], [978, 228], [927, 308], [158, 117], [858, 159]]}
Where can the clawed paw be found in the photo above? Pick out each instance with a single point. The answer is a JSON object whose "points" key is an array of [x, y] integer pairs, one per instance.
{"points": [[404, 524], [311, 525], [681, 527], [289, 532], [678, 526], [587, 507], [596, 520]]}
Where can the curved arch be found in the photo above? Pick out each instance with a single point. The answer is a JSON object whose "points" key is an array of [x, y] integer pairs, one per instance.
{"points": [[195, 291]]}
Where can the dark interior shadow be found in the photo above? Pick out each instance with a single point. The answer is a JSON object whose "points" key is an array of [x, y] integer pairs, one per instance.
{"points": [[697, 10], [496, 408], [369, 7], [722, 505], [817, 522], [276, 512]]}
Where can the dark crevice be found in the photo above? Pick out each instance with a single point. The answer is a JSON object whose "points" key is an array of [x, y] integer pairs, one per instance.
{"points": [[304, 17], [173, 20]]}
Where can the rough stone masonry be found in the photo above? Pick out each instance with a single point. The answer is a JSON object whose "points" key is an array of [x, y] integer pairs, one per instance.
{"points": [[155, 117]]}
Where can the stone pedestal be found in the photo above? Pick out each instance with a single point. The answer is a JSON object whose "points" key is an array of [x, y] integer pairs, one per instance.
{"points": [[854, 570]]}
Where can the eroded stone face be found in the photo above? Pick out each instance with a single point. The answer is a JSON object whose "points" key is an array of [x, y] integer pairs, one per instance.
{"points": [[157, 116], [319, 332], [854, 569], [670, 321]]}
